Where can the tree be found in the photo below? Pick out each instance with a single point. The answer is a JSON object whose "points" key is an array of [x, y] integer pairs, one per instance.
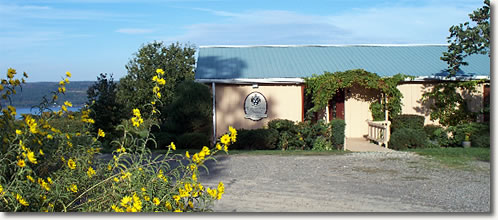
{"points": [[191, 109], [102, 101], [135, 89], [449, 99], [468, 38]]}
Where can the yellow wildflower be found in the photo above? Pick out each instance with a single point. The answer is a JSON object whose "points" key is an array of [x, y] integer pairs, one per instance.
{"points": [[143, 189], [49, 180], [31, 157], [41, 152], [64, 108], [73, 188], [194, 177], [176, 198], [125, 200], [116, 179], [49, 136], [161, 81], [187, 154], [71, 164], [146, 198], [172, 145], [160, 71], [19, 132], [168, 206], [21, 200], [158, 95], [68, 103], [1, 189], [90, 172], [154, 78], [156, 89], [23, 147], [190, 204], [30, 178], [66, 80], [62, 82], [117, 209], [68, 74], [218, 146], [225, 139], [101, 133], [225, 148], [233, 133], [206, 150], [137, 204], [21, 163]]}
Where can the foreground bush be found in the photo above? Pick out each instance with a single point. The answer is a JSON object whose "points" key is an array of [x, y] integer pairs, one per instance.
{"points": [[407, 138], [407, 121], [338, 133], [257, 139], [45, 169], [478, 134]]}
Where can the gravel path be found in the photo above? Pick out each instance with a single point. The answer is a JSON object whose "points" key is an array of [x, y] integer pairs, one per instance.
{"points": [[355, 182]]}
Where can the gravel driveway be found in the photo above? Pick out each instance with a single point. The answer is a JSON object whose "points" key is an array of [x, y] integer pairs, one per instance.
{"points": [[355, 182]]}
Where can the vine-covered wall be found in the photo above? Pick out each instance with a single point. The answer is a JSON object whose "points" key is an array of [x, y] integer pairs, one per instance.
{"points": [[323, 87]]}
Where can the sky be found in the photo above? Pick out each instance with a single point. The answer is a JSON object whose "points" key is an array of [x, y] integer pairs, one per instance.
{"points": [[46, 38]]}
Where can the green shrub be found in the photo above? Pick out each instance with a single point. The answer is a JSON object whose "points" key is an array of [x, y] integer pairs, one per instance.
{"points": [[479, 134], [430, 131], [309, 132], [338, 133], [282, 125], [407, 121], [192, 140], [321, 144], [406, 138], [257, 139], [289, 134]]}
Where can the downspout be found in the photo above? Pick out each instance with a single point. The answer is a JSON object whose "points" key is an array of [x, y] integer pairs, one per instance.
{"points": [[213, 86]]}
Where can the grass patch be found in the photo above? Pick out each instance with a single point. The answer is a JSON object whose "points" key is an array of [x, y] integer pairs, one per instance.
{"points": [[454, 156]]}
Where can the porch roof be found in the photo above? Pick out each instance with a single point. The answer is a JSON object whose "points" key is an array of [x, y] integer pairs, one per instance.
{"points": [[270, 62]]}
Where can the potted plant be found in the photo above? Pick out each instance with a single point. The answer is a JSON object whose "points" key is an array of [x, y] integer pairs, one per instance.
{"points": [[466, 142]]}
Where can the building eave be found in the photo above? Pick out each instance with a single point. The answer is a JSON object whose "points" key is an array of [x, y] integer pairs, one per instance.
{"points": [[252, 81]]}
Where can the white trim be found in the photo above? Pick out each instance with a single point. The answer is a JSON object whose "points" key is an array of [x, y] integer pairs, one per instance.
{"points": [[325, 45], [253, 81], [301, 80], [443, 78]]}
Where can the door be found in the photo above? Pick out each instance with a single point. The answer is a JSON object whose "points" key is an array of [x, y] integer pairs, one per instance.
{"points": [[336, 106]]}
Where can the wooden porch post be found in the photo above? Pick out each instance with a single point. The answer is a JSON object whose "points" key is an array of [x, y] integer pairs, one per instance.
{"points": [[388, 129]]}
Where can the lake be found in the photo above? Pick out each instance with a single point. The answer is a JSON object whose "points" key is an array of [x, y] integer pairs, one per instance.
{"points": [[35, 111]]}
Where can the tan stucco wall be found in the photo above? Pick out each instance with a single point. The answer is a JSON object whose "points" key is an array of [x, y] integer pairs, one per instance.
{"points": [[357, 111], [284, 102], [412, 95], [412, 104]]}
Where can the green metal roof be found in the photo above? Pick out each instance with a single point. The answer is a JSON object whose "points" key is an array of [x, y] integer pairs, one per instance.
{"points": [[261, 62]]}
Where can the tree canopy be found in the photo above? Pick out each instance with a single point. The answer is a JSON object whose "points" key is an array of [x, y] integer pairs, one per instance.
{"points": [[177, 61], [468, 38]]}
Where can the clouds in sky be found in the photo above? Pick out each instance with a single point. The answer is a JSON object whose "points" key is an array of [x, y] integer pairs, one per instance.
{"points": [[388, 24]]}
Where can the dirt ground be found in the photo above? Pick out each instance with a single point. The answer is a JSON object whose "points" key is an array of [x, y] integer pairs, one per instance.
{"points": [[355, 182]]}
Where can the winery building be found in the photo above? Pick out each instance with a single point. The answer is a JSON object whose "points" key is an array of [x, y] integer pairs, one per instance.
{"points": [[253, 85]]}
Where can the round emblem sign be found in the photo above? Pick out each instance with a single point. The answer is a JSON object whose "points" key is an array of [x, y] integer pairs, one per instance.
{"points": [[255, 106]]}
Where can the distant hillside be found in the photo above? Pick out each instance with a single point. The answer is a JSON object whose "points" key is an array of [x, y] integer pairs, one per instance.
{"points": [[32, 93]]}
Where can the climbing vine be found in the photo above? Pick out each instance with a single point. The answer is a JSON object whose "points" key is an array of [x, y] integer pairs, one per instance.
{"points": [[323, 87]]}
